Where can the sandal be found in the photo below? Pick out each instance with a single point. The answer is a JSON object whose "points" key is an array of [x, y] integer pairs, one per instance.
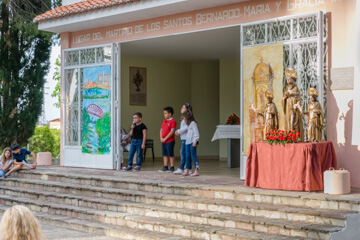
{"points": [[194, 175], [185, 174]]}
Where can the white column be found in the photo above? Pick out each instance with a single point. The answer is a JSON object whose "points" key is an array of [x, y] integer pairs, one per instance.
{"points": [[356, 92]]}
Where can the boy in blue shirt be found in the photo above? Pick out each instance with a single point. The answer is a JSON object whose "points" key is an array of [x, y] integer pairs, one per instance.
{"points": [[19, 155]]}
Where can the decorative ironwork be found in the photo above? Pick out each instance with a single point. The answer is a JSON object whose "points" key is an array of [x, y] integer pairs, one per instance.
{"points": [[71, 58], [305, 27], [279, 31], [103, 54], [71, 107], [87, 56], [305, 63], [254, 34]]}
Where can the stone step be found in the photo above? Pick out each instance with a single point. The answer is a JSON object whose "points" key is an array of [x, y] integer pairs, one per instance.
{"points": [[224, 221], [131, 182], [319, 216], [129, 233], [100, 228]]}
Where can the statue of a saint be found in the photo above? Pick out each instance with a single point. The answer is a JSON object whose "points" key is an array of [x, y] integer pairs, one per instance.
{"points": [[290, 101], [269, 114], [315, 117]]}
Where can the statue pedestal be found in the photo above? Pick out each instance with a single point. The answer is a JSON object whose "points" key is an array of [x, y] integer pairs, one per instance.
{"points": [[233, 136]]}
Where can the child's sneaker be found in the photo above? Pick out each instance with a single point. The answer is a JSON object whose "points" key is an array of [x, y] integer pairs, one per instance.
{"points": [[137, 168], [179, 171], [172, 169], [164, 169], [128, 168]]}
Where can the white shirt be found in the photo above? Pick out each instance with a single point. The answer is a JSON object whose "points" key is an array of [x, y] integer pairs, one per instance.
{"points": [[7, 162], [182, 130], [193, 134]]}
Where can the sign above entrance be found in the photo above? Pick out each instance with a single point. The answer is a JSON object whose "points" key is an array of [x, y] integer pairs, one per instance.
{"points": [[197, 20]]}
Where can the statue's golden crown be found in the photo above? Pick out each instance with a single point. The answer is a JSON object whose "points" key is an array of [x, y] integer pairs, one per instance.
{"points": [[290, 72], [313, 92]]}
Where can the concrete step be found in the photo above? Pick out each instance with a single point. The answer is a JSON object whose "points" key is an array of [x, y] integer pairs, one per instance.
{"points": [[295, 214], [129, 181], [214, 221], [100, 228]]}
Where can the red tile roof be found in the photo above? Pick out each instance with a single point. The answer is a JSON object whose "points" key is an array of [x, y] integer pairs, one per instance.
{"points": [[55, 120], [80, 7]]}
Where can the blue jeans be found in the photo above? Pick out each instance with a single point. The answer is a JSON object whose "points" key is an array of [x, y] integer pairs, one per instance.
{"points": [[2, 173], [135, 146], [191, 152], [183, 155]]}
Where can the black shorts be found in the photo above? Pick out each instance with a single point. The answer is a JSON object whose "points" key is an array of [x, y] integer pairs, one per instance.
{"points": [[168, 149]]}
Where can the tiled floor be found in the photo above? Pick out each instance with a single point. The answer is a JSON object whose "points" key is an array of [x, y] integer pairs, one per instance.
{"points": [[208, 167]]}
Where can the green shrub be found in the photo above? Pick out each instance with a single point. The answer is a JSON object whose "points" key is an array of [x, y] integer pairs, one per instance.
{"points": [[56, 149], [42, 140]]}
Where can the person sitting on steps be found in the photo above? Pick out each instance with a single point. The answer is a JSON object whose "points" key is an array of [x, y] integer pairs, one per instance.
{"points": [[6, 161], [19, 155]]}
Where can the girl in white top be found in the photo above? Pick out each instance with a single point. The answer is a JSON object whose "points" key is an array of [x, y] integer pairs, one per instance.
{"points": [[6, 161], [191, 142], [182, 131]]}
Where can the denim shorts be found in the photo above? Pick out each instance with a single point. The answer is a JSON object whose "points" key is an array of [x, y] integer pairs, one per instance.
{"points": [[168, 149]]}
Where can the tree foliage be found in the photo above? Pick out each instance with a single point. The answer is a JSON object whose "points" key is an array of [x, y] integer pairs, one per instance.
{"points": [[57, 79], [24, 62]]}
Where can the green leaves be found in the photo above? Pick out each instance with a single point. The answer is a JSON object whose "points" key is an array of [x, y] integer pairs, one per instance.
{"points": [[24, 62], [57, 79]]}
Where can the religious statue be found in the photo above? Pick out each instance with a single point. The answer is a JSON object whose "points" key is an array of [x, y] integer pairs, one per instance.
{"points": [[315, 117], [269, 114], [293, 116]]}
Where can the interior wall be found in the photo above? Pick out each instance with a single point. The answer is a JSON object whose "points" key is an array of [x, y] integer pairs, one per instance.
{"points": [[167, 85], [229, 95], [205, 102], [173, 83]]}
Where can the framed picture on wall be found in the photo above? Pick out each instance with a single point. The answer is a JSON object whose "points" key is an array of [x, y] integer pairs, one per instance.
{"points": [[137, 83]]}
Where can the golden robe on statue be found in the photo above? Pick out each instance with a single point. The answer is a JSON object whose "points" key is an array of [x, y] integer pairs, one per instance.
{"points": [[269, 114], [293, 116], [315, 122], [315, 119]]}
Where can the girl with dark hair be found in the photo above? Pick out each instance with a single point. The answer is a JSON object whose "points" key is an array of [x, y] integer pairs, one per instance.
{"points": [[181, 132], [191, 142]]}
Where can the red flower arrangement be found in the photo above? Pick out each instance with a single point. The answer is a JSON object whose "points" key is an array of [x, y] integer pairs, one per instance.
{"points": [[282, 137], [233, 120]]}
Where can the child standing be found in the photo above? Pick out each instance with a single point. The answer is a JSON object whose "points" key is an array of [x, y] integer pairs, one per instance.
{"points": [[138, 138], [182, 131], [192, 140], [6, 161], [167, 138]]}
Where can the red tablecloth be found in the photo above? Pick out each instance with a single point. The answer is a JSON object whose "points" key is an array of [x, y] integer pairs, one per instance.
{"points": [[297, 167]]}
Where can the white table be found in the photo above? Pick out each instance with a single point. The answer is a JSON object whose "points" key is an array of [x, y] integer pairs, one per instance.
{"points": [[233, 135]]}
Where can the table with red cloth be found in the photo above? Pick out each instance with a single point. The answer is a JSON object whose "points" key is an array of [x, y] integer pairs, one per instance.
{"points": [[295, 166]]}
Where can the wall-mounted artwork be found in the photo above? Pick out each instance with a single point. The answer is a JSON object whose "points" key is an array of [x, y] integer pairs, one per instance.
{"points": [[137, 83], [96, 107], [262, 71]]}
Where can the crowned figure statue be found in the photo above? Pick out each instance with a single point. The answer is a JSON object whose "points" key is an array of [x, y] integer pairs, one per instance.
{"points": [[269, 114], [315, 117], [290, 101]]}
